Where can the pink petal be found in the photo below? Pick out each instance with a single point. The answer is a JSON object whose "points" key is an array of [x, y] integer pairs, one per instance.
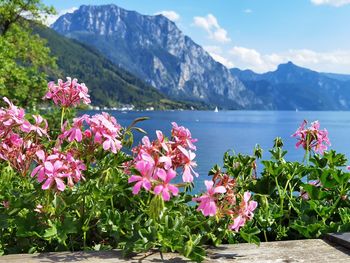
{"points": [[134, 178], [247, 196], [160, 173], [173, 189], [187, 176], [208, 184], [184, 151], [220, 189], [106, 145], [166, 195], [47, 184], [147, 185], [170, 175], [60, 185], [160, 135], [48, 166], [158, 189], [209, 208], [35, 170], [136, 188], [252, 206], [238, 222]]}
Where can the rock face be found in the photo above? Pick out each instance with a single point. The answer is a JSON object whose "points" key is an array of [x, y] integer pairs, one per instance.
{"points": [[153, 48], [292, 87]]}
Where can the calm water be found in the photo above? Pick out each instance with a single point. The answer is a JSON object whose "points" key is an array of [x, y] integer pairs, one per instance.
{"points": [[241, 130]]}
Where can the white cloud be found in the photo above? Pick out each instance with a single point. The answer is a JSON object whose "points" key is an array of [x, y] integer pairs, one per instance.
{"points": [[333, 61], [49, 20], [216, 53], [171, 15], [227, 63], [336, 3], [213, 49], [210, 24], [248, 11]]}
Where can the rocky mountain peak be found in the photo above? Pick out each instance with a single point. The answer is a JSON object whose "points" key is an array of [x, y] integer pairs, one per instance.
{"points": [[155, 49]]}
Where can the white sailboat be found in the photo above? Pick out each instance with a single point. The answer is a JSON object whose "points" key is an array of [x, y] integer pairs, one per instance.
{"points": [[216, 109]]}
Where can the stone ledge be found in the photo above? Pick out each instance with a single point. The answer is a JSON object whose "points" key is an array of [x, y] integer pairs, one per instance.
{"points": [[312, 250], [342, 239]]}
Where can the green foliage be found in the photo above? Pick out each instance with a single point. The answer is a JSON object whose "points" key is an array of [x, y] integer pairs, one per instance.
{"points": [[296, 200], [23, 56], [101, 212]]}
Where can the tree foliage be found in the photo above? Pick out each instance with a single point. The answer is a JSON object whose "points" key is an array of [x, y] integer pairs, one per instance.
{"points": [[24, 58]]}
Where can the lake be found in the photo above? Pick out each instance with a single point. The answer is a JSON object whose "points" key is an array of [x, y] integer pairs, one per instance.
{"points": [[218, 132]]}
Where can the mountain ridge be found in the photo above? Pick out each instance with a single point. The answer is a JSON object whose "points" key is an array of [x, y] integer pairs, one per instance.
{"points": [[153, 48], [292, 87], [109, 85]]}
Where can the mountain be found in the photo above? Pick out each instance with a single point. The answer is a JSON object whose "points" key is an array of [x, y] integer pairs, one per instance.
{"points": [[154, 49], [109, 85], [291, 87], [342, 77]]}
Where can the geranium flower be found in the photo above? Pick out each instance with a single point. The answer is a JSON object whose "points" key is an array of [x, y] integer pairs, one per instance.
{"points": [[68, 94], [207, 202], [146, 169], [246, 210], [105, 130], [183, 136], [165, 188], [54, 169], [312, 138], [188, 164]]}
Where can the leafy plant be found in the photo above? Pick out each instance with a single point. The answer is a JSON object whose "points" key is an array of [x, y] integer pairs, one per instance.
{"points": [[66, 184]]}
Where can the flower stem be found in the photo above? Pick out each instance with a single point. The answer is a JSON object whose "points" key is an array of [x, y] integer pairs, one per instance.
{"points": [[62, 115]]}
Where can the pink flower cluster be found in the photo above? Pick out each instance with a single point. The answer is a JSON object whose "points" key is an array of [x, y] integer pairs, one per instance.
{"points": [[156, 162], [55, 169], [68, 94], [21, 142], [103, 129], [220, 200], [245, 212], [312, 138], [19, 139]]}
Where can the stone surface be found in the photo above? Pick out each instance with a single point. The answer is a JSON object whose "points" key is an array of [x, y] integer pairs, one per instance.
{"points": [[342, 239], [308, 251]]}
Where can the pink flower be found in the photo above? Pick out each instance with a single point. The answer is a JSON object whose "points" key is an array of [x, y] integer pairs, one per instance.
{"points": [[165, 188], [245, 213], [75, 133], [312, 138], [183, 136], [40, 126], [18, 152], [106, 131], [146, 169], [10, 117], [165, 156], [188, 164], [68, 94], [238, 222], [56, 168], [54, 175], [208, 200]]}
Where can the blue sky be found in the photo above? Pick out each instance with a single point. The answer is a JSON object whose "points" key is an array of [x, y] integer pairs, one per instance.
{"points": [[255, 34]]}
